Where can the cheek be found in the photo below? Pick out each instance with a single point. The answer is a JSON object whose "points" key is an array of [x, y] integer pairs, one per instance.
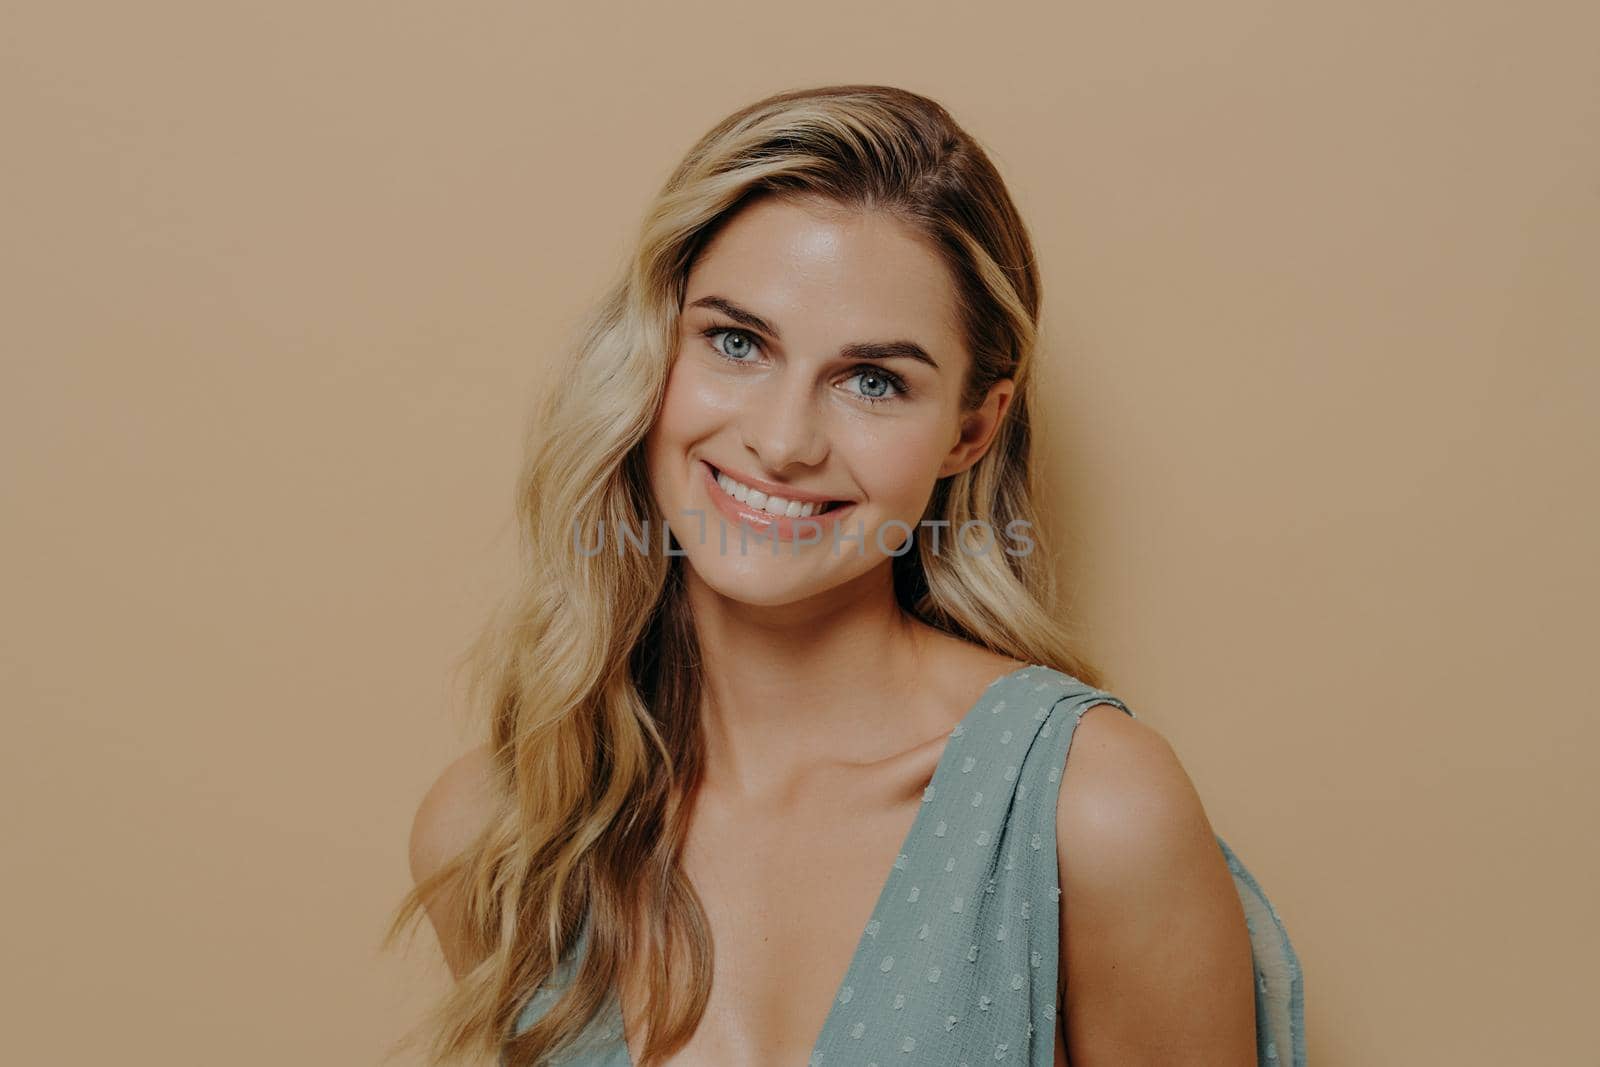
{"points": [[900, 465], [694, 402], [690, 413]]}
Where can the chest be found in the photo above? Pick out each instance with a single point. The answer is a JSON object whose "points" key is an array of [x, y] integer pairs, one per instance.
{"points": [[829, 948], [787, 901], [866, 930]]}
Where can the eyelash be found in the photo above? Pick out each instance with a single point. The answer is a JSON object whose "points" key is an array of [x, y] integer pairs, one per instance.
{"points": [[899, 384]]}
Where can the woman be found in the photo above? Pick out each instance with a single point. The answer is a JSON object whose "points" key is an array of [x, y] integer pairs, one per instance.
{"points": [[784, 699]]}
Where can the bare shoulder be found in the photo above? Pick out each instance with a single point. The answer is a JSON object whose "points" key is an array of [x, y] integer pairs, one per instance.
{"points": [[454, 809], [1155, 953], [1125, 797], [451, 814]]}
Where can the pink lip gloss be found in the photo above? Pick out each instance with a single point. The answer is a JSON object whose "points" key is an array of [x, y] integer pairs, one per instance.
{"points": [[815, 527]]}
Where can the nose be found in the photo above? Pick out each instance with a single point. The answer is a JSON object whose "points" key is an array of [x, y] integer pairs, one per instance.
{"points": [[782, 426]]}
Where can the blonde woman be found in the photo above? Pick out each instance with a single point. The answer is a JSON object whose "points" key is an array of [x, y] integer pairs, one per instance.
{"points": [[777, 760]]}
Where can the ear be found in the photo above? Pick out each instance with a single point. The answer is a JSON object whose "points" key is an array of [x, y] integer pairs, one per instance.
{"points": [[977, 428]]}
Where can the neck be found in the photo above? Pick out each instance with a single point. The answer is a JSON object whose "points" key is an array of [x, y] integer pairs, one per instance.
{"points": [[790, 688]]}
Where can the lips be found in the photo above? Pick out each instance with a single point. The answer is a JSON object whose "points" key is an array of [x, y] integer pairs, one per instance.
{"points": [[782, 527], [820, 505]]}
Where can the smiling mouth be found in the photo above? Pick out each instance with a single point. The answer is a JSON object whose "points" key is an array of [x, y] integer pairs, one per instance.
{"points": [[820, 509]]}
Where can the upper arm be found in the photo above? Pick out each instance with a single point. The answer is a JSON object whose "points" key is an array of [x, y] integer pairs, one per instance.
{"points": [[454, 810], [1154, 947]]}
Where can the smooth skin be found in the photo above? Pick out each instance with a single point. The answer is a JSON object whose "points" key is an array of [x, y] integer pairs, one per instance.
{"points": [[791, 833]]}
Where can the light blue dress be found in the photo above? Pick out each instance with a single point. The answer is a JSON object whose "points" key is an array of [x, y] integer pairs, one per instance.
{"points": [[958, 963]]}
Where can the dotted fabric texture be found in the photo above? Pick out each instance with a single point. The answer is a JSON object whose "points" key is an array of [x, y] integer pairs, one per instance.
{"points": [[957, 965]]}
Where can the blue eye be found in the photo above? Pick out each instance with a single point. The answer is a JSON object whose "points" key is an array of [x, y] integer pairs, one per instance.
{"points": [[868, 371], [713, 331]]}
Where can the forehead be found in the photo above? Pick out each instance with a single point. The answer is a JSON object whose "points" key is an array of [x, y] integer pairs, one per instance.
{"points": [[865, 273]]}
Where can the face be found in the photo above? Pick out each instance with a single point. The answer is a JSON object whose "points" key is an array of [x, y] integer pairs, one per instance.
{"points": [[818, 360]]}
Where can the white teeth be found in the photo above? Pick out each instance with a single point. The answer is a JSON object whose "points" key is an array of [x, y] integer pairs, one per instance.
{"points": [[772, 505]]}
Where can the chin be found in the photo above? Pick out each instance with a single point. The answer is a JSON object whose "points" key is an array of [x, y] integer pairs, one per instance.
{"points": [[757, 578]]}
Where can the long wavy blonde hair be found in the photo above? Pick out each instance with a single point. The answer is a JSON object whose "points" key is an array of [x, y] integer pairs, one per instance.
{"points": [[588, 669]]}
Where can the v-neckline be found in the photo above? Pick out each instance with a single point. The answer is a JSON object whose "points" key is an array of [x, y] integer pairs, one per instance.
{"points": [[940, 772]]}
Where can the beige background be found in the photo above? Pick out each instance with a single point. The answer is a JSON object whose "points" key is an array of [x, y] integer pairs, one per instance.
{"points": [[279, 281]]}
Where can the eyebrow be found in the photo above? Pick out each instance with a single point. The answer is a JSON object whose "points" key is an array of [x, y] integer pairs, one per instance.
{"points": [[854, 350]]}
